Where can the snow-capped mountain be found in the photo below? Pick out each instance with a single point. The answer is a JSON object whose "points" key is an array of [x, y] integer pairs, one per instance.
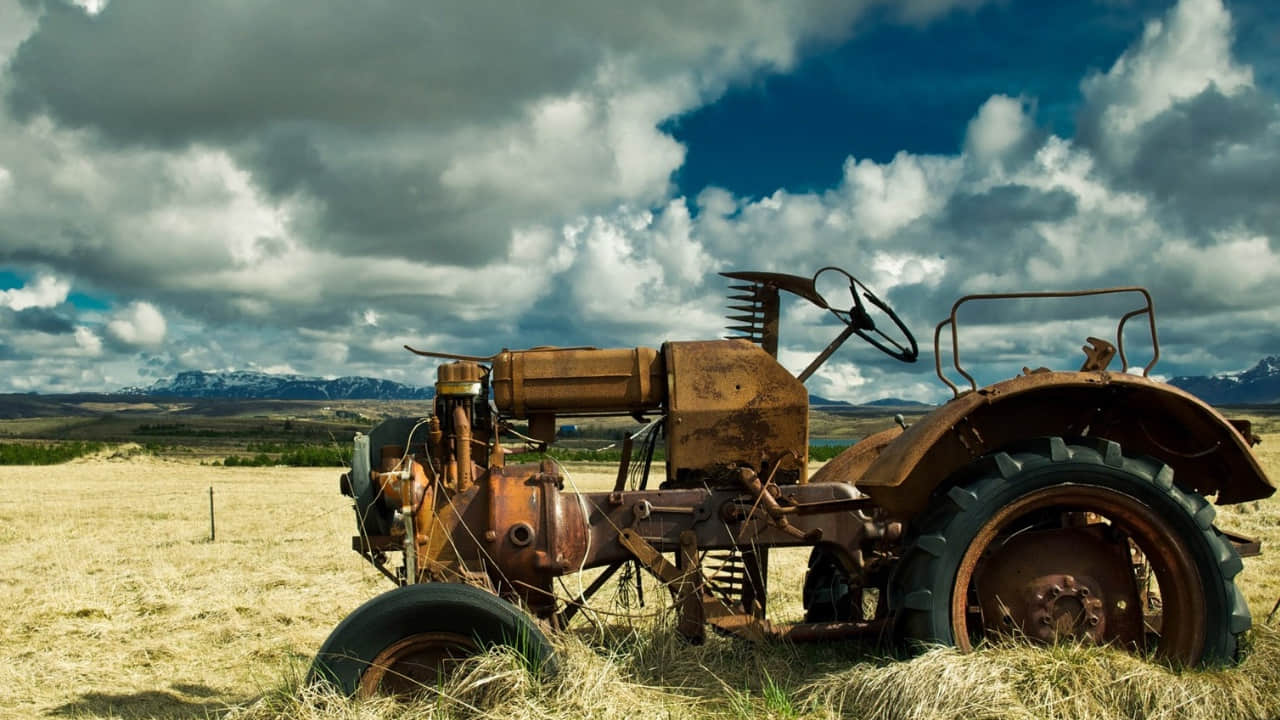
{"points": [[243, 384], [1259, 384]]}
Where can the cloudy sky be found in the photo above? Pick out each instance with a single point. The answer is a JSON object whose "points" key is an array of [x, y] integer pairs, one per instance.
{"points": [[306, 187]]}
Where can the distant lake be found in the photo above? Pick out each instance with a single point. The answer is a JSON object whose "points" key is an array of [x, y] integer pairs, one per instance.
{"points": [[832, 442]]}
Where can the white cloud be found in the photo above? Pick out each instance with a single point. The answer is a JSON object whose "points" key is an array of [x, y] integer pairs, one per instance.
{"points": [[1178, 57], [579, 150], [93, 7], [138, 325], [894, 269], [1062, 165], [841, 379], [938, 226], [45, 292], [631, 269], [334, 354], [1241, 268], [885, 198], [1001, 125], [88, 341], [615, 280], [16, 23], [682, 257]]}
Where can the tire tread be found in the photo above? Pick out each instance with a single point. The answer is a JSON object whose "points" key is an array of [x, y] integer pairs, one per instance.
{"points": [[922, 564]]}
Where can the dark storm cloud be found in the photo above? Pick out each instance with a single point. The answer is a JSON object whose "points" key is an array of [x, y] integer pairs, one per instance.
{"points": [[1179, 120], [1007, 207], [112, 267], [392, 206], [43, 320], [360, 111], [1218, 334], [168, 73], [1214, 161], [163, 72]]}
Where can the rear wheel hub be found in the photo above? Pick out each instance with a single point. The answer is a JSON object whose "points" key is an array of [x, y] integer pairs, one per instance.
{"points": [[1072, 583]]}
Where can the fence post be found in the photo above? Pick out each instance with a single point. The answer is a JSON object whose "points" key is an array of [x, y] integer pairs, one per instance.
{"points": [[211, 534]]}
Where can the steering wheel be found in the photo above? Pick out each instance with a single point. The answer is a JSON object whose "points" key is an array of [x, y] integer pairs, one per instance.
{"points": [[859, 322]]}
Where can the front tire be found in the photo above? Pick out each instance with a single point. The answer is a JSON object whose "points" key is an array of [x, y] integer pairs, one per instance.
{"points": [[404, 640], [828, 593], [1053, 531]]}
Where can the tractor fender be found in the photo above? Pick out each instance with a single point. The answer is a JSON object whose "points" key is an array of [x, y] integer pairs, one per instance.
{"points": [[901, 470]]}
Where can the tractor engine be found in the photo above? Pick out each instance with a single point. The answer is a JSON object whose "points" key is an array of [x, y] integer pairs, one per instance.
{"points": [[723, 403], [733, 419]]}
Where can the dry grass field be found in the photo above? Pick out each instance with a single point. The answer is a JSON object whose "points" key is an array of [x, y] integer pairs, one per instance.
{"points": [[117, 605]]}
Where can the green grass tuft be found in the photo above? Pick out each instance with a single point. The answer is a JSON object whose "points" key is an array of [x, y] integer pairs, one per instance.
{"points": [[46, 454], [293, 456]]}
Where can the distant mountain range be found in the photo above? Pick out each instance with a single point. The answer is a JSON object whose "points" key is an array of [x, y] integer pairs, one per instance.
{"points": [[244, 384], [889, 402], [248, 385], [897, 403], [1257, 385], [818, 401]]}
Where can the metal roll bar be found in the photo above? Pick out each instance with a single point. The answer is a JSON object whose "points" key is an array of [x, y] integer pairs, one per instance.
{"points": [[1148, 309]]}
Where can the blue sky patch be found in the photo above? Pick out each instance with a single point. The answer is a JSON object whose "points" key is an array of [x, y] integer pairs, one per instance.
{"points": [[894, 87], [10, 280], [82, 301]]}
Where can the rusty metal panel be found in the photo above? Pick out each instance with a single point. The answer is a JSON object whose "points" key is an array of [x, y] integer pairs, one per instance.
{"points": [[730, 402], [1146, 417], [568, 380]]}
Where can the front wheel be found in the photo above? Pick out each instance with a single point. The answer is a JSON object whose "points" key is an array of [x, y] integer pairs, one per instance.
{"points": [[1073, 542], [405, 640]]}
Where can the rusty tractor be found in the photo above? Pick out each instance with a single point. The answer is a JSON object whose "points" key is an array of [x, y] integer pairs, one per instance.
{"points": [[1056, 505]]}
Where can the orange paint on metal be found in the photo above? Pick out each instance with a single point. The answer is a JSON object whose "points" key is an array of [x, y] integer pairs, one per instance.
{"points": [[1145, 416], [731, 403], [565, 381]]}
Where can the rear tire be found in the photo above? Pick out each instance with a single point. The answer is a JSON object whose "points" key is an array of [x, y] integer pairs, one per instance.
{"points": [[404, 640], [933, 593]]}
